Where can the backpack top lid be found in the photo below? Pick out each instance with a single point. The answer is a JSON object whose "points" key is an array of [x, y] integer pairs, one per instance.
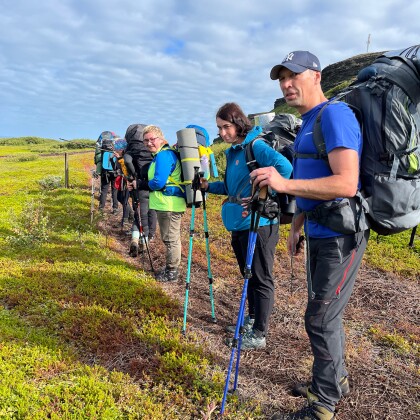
{"points": [[410, 53], [106, 135], [134, 133]]}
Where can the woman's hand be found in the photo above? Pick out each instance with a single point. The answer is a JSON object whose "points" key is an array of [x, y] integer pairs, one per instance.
{"points": [[132, 185], [204, 184]]}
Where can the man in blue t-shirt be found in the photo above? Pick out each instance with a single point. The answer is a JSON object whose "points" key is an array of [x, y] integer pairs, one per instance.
{"points": [[333, 257]]}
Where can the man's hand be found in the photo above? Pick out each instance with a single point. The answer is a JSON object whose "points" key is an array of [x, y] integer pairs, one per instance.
{"points": [[270, 177]]}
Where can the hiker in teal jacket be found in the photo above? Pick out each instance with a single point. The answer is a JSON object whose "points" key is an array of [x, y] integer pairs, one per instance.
{"points": [[236, 129]]}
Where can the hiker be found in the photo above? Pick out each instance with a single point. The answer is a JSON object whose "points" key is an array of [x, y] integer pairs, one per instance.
{"points": [[106, 166], [236, 129], [333, 258], [137, 158], [166, 197]]}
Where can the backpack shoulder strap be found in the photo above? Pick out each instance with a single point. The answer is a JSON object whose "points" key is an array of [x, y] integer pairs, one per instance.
{"points": [[250, 160], [318, 139]]}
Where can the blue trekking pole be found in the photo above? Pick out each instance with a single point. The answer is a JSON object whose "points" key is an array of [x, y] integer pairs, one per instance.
{"points": [[257, 205], [195, 187]]}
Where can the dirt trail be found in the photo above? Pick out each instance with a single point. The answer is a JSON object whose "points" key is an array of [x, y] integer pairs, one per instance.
{"points": [[384, 381]]}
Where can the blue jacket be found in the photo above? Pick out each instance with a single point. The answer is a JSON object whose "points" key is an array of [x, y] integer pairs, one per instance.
{"points": [[237, 181]]}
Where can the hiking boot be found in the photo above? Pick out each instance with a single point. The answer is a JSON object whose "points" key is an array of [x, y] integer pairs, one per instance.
{"points": [[167, 275], [301, 389], [250, 341], [248, 323], [134, 248], [310, 412], [142, 245]]}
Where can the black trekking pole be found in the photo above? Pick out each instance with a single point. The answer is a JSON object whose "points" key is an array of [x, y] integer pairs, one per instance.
{"points": [[195, 187], [126, 205], [137, 220], [259, 198], [413, 234]]}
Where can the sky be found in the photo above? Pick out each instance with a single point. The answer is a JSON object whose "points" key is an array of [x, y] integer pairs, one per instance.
{"points": [[72, 69]]}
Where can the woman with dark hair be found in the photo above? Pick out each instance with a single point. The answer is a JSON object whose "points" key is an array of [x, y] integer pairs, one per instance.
{"points": [[236, 129]]}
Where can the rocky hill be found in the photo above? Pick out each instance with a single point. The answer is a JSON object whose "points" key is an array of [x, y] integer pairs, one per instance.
{"points": [[343, 71]]}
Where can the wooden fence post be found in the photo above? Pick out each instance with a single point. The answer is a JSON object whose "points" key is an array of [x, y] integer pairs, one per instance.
{"points": [[66, 171]]}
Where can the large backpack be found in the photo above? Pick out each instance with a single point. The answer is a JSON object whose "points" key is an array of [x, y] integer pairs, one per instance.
{"points": [[280, 134], [107, 157], [104, 143], [386, 101]]}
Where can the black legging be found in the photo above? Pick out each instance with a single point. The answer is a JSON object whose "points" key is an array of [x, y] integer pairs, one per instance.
{"points": [[106, 179], [261, 284]]}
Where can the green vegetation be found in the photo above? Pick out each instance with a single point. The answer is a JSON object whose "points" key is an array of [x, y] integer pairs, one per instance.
{"points": [[14, 148], [84, 334]]}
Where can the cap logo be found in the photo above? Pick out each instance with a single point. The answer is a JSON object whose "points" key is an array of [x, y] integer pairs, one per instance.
{"points": [[289, 57], [314, 64]]}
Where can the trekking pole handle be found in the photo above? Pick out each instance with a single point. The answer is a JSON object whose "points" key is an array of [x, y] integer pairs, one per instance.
{"points": [[196, 180], [262, 194]]}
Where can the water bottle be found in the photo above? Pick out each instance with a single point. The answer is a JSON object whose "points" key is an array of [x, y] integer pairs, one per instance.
{"points": [[204, 163]]}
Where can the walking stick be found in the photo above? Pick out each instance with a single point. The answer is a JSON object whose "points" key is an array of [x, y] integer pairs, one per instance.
{"points": [[126, 205], [413, 234], [137, 220], [259, 197], [136, 209], [92, 196], [196, 186]]}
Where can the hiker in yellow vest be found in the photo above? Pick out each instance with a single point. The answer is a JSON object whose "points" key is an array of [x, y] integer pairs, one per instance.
{"points": [[166, 197]]}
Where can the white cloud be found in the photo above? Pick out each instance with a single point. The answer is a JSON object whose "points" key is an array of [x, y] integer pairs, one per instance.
{"points": [[73, 69]]}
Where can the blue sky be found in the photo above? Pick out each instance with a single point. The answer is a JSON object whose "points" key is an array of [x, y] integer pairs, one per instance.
{"points": [[72, 69]]}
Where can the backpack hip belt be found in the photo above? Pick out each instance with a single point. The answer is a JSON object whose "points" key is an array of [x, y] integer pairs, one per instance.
{"points": [[345, 216]]}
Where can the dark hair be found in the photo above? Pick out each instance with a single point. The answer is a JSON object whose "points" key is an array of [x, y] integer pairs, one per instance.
{"points": [[233, 113]]}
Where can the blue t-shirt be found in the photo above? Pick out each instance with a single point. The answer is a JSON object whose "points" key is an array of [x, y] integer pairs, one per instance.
{"points": [[340, 129]]}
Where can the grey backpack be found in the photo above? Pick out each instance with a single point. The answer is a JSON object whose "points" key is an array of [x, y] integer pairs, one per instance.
{"points": [[386, 101]]}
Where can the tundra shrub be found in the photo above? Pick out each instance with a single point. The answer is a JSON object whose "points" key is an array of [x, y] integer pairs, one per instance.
{"points": [[31, 226]]}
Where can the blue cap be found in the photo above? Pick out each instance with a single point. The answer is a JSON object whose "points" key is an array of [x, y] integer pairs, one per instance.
{"points": [[297, 62]]}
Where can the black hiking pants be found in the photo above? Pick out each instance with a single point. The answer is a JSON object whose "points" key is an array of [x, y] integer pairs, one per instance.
{"points": [[332, 268], [260, 291], [107, 179]]}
